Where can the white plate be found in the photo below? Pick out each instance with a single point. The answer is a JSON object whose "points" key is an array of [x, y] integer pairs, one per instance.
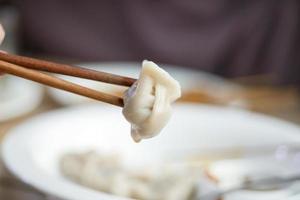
{"points": [[189, 80], [18, 97], [32, 150]]}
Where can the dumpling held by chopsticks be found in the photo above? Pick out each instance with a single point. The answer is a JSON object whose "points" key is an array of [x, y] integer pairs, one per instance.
{"points": [[147, 103]]}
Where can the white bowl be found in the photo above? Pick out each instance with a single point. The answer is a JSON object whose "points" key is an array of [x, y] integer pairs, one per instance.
{"points": [[19, 97], [32, 150]]}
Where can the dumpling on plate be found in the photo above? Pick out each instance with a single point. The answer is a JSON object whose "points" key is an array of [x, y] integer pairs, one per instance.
{"points": [[147, 103]]}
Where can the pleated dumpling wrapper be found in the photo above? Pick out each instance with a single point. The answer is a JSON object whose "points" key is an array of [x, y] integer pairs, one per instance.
{"points": [[147, 103]]}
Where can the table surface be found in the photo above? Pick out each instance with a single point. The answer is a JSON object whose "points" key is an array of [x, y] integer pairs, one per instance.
{"points": [[281, 102]]}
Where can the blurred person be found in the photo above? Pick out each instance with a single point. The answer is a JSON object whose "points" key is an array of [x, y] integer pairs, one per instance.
{"points": [[231, 38]]}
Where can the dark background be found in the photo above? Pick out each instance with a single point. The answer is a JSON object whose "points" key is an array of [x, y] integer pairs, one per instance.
{"points": [[227, 37]]}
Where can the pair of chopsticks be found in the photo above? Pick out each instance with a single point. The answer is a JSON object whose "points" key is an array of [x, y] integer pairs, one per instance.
{"points": [[29, 68]]}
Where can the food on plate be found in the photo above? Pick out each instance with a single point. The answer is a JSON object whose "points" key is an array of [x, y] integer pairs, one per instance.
{"points": [[108, 174], [147, 103]]}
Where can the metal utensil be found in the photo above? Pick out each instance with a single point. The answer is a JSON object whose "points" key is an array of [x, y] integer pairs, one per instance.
{"points": [[250, 183]]}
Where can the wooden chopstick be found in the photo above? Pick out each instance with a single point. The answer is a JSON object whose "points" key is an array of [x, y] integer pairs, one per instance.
{"points": [[80, 72], [58, 83]]}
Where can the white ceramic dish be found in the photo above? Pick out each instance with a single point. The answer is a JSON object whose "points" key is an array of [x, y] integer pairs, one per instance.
{"points": [[18, 97], [189, 80], [32, 150]]}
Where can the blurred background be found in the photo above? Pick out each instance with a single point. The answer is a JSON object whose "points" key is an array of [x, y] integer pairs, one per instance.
{"points": [[229, 38], [233, 53]]}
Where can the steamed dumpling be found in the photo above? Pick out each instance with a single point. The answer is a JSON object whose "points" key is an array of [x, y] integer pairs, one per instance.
{"points": [[147, 103]]}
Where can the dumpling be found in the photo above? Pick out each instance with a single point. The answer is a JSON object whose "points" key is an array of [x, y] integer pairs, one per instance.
{"points": [[147, 103]]}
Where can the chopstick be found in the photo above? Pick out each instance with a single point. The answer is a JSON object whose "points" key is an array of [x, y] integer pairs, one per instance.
{"points": [[80, 72], [59, 83]]}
